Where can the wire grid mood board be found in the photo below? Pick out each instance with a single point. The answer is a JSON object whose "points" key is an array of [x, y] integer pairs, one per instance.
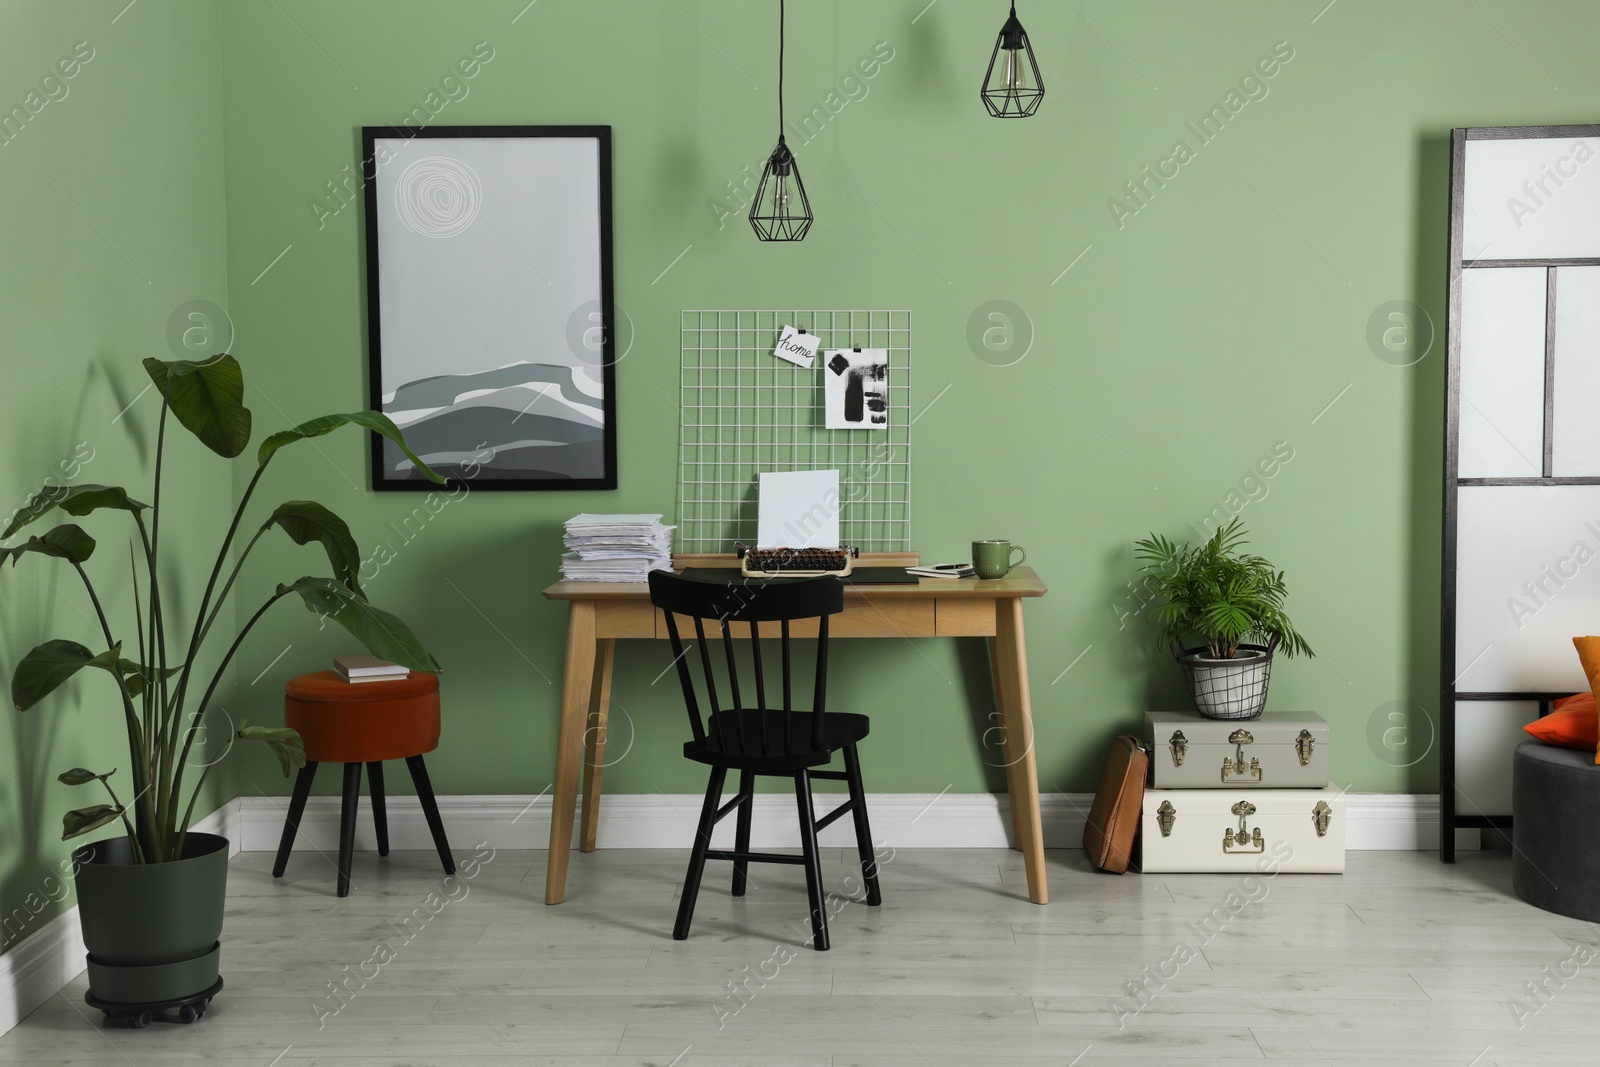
{"points": [[745, 411]]}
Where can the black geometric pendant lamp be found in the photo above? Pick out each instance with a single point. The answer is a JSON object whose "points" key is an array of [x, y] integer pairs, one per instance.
{"points": [[1012, 87], [780, 210]]}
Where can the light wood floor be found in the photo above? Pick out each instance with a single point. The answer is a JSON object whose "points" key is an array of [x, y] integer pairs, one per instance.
{"points": [[1401, 961]]}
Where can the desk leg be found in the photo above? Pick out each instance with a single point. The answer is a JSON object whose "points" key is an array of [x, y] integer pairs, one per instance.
{"points": [[1019, 834], [594, 743], [1011, 655], [577, 678]]}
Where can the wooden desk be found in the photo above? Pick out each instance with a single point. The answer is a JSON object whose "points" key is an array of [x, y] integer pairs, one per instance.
{"points": [[599, 613]]}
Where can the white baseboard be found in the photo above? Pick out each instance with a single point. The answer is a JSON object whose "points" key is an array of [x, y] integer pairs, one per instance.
{"points": [[224, 822], [34, 968], [1377, 821]]}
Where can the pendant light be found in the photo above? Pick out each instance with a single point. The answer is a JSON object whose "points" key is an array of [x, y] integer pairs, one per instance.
{"points": [[780, 210], [1012, 87]]}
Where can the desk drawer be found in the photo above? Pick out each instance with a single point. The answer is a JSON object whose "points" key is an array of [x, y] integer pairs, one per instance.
{"points": [[885, 618], [966, 617], [625, 618]]}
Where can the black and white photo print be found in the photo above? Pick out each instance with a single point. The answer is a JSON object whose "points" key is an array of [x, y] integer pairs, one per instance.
{"points": [[856, 389], [489, 296]]}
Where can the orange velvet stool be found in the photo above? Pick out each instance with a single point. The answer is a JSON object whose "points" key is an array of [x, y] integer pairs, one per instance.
{"points": [[363, 723]]}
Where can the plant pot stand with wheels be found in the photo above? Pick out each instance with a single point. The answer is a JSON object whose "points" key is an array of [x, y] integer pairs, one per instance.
{"points": [[191, 1008], [153, 930]]}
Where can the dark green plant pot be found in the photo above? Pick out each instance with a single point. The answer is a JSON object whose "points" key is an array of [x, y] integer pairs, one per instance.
{"points": [[152, 929]]}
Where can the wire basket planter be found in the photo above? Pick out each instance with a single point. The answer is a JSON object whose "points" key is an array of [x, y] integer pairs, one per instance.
{"points": [[1228, 688]]}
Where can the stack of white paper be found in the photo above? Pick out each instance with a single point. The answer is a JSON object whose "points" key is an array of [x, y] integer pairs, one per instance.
{"points": [[615, 548]]}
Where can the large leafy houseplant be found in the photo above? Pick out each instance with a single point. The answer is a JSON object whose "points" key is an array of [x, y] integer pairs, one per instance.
{"points": [[157, 678], [1218, 594]]}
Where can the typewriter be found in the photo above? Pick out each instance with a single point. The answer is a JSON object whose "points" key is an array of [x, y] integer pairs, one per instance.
{"points": [[795, 562]]}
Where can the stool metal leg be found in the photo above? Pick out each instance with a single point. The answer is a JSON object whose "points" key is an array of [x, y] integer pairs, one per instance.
{"points": [[347, 824], [297, 808], [380, 806], [430, 810]]}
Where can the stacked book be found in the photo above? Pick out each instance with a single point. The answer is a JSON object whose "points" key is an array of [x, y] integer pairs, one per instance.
{"points": [[368, 669], [615, 548]]}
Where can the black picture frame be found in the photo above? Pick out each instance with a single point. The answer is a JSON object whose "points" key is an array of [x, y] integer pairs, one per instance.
{"points": [[592, 459]]}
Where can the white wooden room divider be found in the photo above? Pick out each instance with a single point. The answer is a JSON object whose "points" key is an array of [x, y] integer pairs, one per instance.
{"points": [[1522, 450]]}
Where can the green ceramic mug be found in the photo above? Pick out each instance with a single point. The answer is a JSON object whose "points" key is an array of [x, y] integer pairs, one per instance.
{"points": [[992, 559]]}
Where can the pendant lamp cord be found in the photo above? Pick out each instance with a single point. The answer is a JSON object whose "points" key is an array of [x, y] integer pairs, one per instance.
{"points": [[780, 68]]}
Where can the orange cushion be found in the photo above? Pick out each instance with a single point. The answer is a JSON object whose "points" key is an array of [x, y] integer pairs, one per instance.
{"points": [[1572, 723], [363, 722], [1589, 655]]}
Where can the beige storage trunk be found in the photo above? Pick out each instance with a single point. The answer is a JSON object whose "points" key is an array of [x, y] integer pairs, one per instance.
{"points": [[1300, 831], [1280, 750]]}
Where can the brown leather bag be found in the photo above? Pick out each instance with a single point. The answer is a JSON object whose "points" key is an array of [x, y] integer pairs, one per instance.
{"points": [[1114, 818]]}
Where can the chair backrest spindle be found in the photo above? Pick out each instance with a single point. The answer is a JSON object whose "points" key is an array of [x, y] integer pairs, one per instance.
{"points": [[819, 699], [788, 699], [684, 680], [761, 682]]}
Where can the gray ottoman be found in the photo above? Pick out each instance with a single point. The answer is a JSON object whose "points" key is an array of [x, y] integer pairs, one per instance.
{"points": [[1555, 806]]}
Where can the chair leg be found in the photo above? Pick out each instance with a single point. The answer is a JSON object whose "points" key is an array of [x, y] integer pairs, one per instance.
{"points": [[347, 824], [813, 863], [380, 806], [697, 855], [858, 797], [430, 811], [297, 808], [741, 836]]}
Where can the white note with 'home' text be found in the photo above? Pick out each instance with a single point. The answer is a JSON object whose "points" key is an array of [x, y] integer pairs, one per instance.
{"points": [[796, 346]]}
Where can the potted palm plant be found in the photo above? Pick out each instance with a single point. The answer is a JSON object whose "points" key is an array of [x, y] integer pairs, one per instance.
{"points": [[151, 900], [1233, 603]]}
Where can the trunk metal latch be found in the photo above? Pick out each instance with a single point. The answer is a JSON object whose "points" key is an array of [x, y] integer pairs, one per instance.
{"points": [[1303, 746], [1233, 767], [1243, 840]]}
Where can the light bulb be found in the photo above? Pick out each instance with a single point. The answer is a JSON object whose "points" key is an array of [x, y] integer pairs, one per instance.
{"points": [[1012, 72], [780, 196]]}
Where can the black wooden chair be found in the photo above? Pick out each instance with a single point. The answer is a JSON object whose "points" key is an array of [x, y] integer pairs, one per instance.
{"points": [[764, 738]]}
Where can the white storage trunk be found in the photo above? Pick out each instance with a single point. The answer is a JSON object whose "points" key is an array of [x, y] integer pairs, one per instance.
{"points": [[1299, 831], [1280, 750]]}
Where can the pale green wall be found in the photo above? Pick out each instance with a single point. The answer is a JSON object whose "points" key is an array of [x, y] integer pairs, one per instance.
{"points": [[112, 217], [1220, 320]]}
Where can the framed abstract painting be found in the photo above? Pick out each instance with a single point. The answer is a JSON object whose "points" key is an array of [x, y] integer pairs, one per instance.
{"points": [[489, 304]]}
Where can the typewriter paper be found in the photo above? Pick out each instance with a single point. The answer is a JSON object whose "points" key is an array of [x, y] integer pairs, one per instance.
{"points": [[798, 509]]}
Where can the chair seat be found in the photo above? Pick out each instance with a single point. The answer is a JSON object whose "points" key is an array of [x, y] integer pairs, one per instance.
{"points": [[755, 750]]}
